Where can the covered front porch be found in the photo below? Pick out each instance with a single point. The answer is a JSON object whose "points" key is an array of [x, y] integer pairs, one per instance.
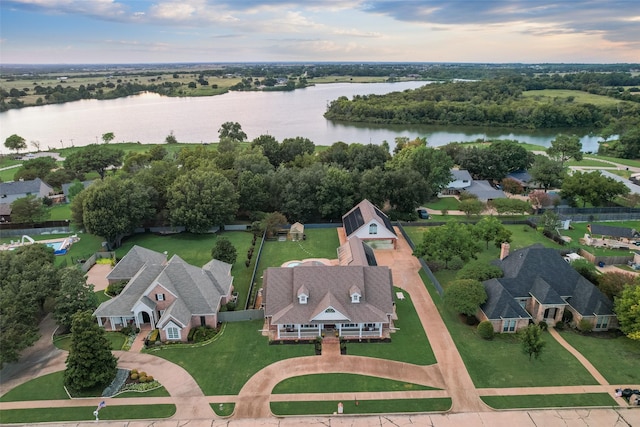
{"points": [[139, 320], [346, 330]]}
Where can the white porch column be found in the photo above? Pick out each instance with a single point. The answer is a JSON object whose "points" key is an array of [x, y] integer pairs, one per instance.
{"points": [[319, 329], [339, 329], [380, 330], [137, 320], [99, 321], [359, 330], [299, 327], [278, 329]]}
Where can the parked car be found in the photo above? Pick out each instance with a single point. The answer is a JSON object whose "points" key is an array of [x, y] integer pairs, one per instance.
{"points": [[423, 214]]}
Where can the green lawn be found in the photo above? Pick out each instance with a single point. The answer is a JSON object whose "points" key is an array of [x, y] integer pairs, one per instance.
{"points": [[501, 362], [116, 339], [626, 162], [85, 413], [8, 174], [615, 357], [580, 97], [223, 409], [409, 344], [60, 212], [448, 203], [225, 365], [549, 400], [342, 383], [46, 387], [196, 250], [588, 162], [391, 406]]}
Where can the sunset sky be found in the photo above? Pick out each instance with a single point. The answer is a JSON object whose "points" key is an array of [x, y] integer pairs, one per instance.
{"points": [[155, 31]]}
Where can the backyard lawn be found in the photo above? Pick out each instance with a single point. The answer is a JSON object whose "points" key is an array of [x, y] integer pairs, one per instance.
{"points": [[443, 203], [615, 357]]}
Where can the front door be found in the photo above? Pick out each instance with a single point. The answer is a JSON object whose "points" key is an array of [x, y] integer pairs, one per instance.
{"points": [[550, 313], [329, 326], [145, 317]]}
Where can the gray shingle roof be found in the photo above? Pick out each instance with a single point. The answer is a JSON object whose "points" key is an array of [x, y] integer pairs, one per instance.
{"points": [[131, 263], [361, 214], [461, 175], [198, 291], [34, 186], [328, 286], [541, 272], [500, 303], [484, 191], [611, 231], [66, 186]]}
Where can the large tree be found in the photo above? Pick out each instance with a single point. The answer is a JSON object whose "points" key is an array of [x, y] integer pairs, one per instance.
{"points": [[447, 242], [94, 158], [488, 228], [547, 172], [233, 131], [35, 168], [28, 210], [201, 199], [27, 279], [15, 142], [113, 208], [73, 296], [90, 363], [294, 147], [565, 147], [593, 188], [465, 296], [627, 308], [270, 148], [335, 194], [433, 166]]}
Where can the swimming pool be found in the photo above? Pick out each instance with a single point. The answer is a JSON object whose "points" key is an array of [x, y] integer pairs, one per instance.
{"points": [[55, 245]]}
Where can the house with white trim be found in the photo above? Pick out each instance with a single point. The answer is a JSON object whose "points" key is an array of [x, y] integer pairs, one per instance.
{"points": [[172, 296], [370, 224]]}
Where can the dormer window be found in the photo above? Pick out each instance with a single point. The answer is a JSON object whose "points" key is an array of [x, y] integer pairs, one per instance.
{"points": [[373, 229], [303, 295], [355, 298], [355, 294]]}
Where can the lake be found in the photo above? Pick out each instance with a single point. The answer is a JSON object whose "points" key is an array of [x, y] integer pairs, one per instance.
{"points": [[148, 118]]}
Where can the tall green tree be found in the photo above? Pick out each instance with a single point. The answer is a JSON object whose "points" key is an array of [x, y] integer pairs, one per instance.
{"points": [[201, 199], [224, 251], [295, 147], [465, 296], [627, 308], [28, 210], [446, 242], [547, 172], [434, 166], [532, 342], [488, 228], [73, 296], [27, 279], [335, 195], [94, 158], [593, 188], [90, 363], [113, 208], [35, 168], [15, 142], [108, 137], [565, 147], [270, 147], [471, 207], [233, 131], [273, 222]]}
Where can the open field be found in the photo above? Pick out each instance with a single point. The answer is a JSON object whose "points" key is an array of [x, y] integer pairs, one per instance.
{"points": [[579, 97]]}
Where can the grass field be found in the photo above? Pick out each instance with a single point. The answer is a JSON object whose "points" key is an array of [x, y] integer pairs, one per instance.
{"points": [[342, 383], [579, 97], [549, 400], [391, 406], [46, 387], [116, 339], [85, 413]]}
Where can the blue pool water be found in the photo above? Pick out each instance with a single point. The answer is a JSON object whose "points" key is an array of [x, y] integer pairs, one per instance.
{"points": [[55, 245]]}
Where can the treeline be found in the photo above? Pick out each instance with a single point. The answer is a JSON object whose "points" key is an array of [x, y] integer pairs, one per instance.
{"points": [[495, 102]]}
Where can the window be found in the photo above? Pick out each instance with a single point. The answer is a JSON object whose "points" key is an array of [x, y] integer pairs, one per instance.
{"points": [[173, 333], [159, 297], [302, 299], [602, 322], [373, 229], [355, 298], [509, 325], [329, 310]]}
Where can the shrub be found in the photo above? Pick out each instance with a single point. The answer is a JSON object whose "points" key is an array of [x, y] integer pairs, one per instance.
{"points": [[559, 325], [114, 289], [134, 371], [479, 270], [154, 335], [133, 376], [567, 316], [543, 325], [231, 306], [456, 264], [485, 330], [142, 374], [150, 379], [585, 325]]}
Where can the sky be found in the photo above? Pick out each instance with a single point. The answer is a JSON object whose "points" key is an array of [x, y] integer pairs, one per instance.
{"points": [[166, 31]]}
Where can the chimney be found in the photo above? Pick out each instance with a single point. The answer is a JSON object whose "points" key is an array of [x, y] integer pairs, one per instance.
{"points": [[504, 250]]}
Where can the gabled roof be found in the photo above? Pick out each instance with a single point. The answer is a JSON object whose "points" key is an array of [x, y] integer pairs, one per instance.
{"points": [[522, 176], [356, 252], [542, 273], [328, 286], [133, 261], [66, 186], [361, 214], [198, 291], [484, 191], [5, 209], [35, 186], [611, 231], [461, 175], [500, 303]]}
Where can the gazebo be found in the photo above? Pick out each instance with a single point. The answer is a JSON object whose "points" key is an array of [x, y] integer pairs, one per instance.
{"points": [[296, 232]]}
